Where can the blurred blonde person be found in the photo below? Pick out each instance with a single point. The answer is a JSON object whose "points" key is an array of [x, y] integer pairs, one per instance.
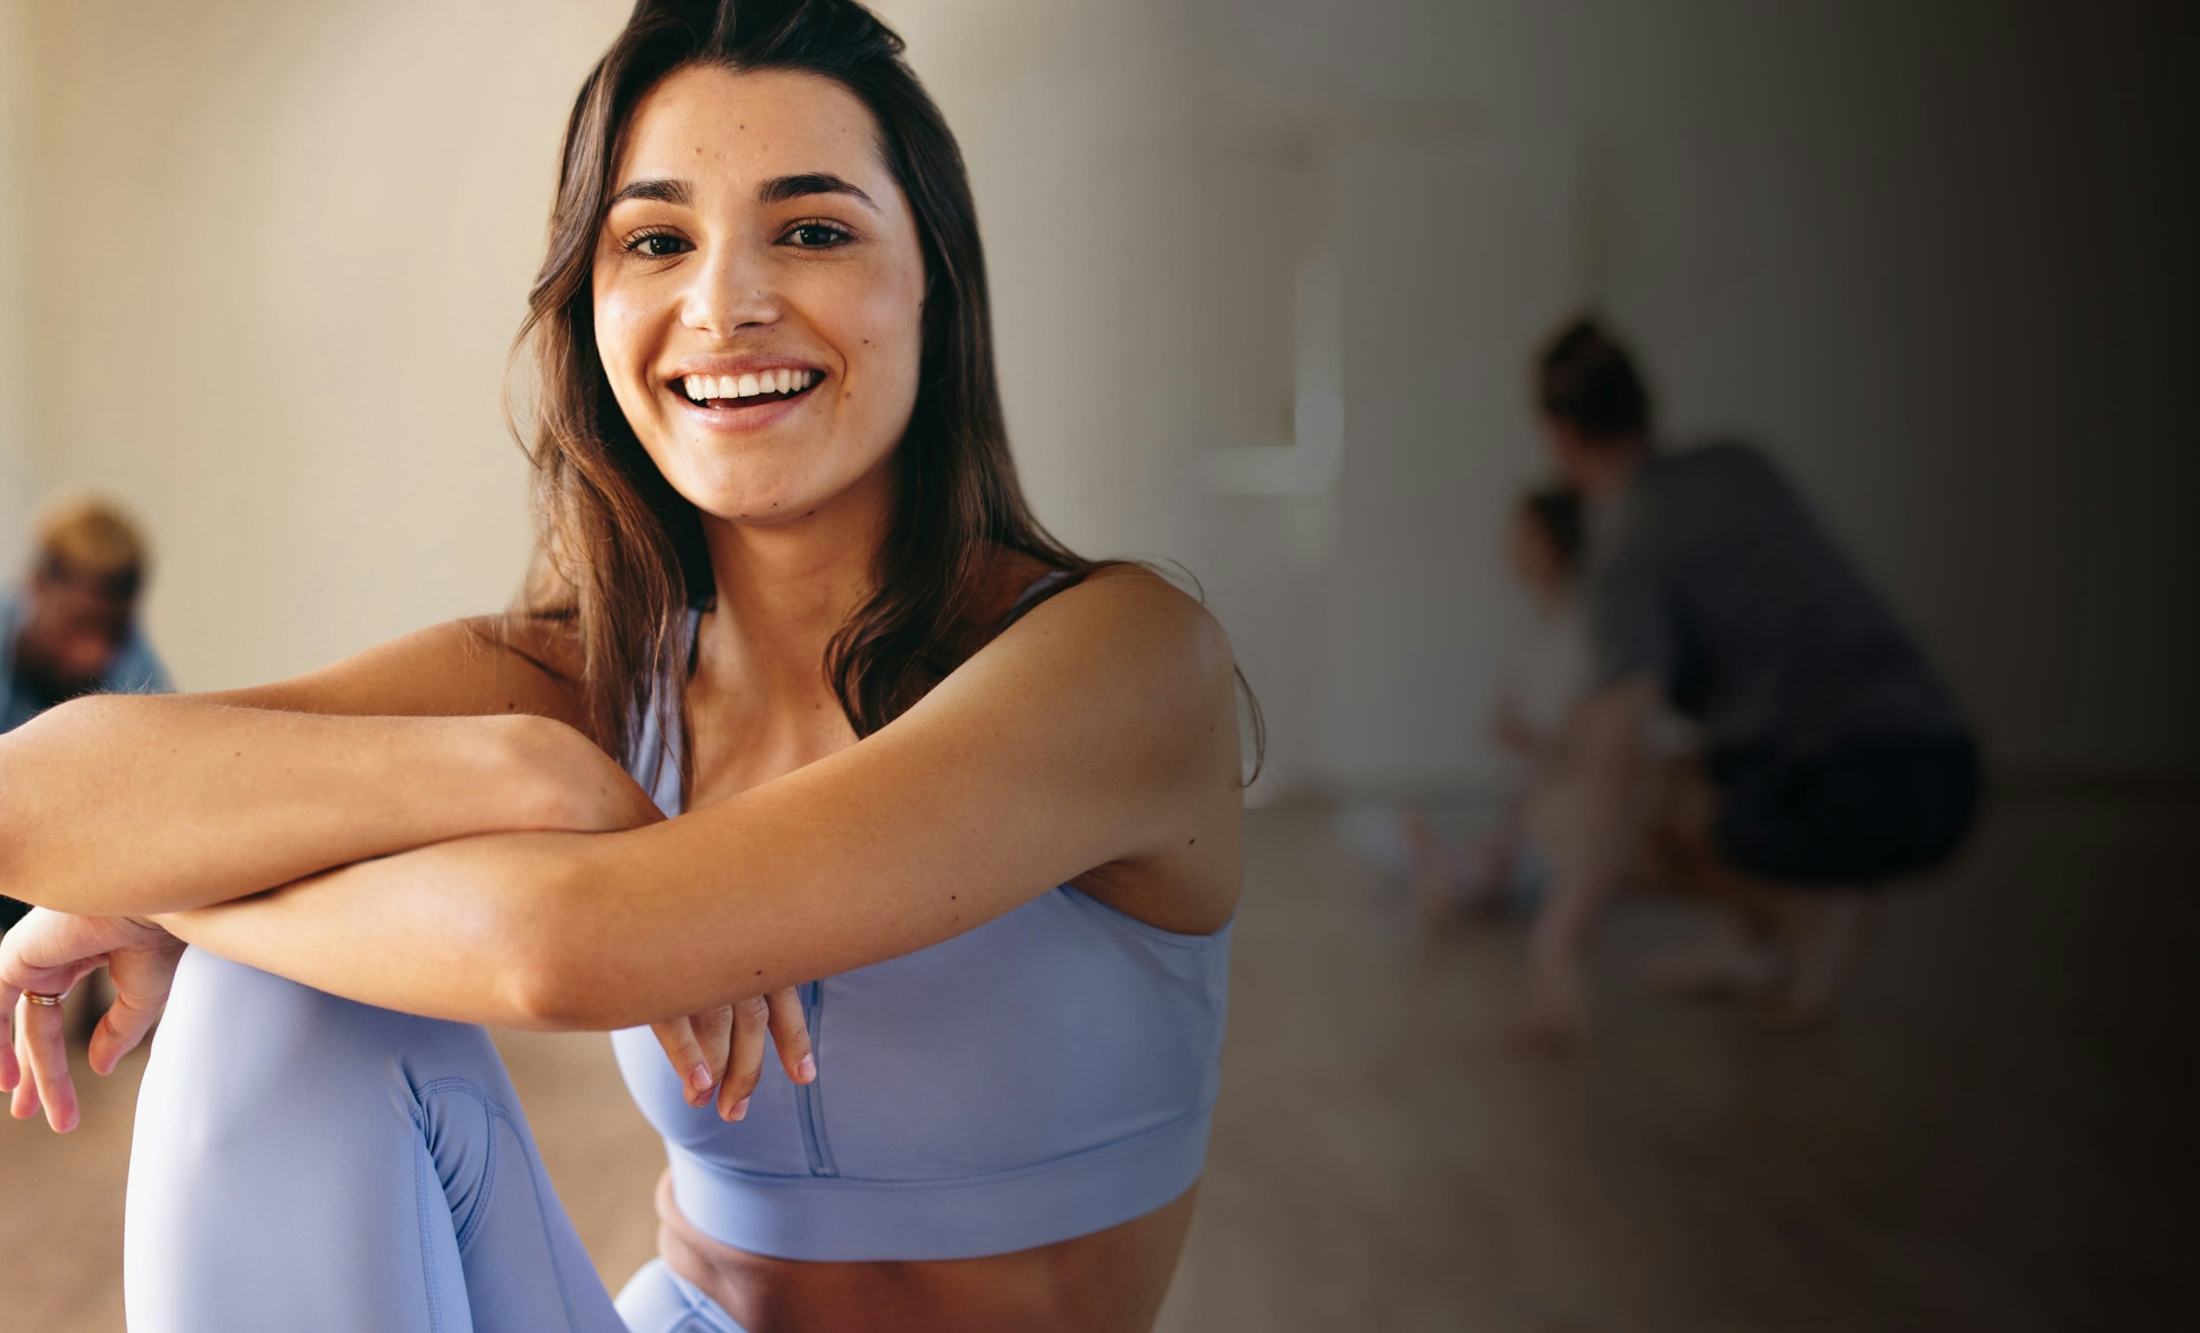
{"points": [[72, 627]]}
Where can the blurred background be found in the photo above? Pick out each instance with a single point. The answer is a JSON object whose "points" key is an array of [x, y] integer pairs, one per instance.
{"points": [[1269, 277]]}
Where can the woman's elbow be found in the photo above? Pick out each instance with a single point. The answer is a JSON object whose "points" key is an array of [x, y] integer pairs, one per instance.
{"points": [[552, 952], [39, 863], [544, 995]]}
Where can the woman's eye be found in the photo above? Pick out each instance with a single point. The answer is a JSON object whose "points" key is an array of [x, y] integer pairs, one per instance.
{"points": [[816, 236], [657, 245]]}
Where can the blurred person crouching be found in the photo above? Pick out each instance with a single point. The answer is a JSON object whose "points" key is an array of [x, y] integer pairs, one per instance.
{"points": [[1836, 762], [71, 628]]}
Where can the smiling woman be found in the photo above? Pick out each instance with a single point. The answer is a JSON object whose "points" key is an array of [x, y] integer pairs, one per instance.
{"points": [[804, 733], [821, 181]]}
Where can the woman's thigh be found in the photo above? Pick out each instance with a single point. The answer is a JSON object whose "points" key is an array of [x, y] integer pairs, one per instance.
{"points": [[302, 1161]]}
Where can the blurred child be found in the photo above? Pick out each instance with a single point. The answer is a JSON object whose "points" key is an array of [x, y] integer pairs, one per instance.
{"points": [[1545, 672]]}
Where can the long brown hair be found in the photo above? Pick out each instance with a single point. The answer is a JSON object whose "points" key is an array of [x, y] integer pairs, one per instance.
{"points": [[620, 554]]}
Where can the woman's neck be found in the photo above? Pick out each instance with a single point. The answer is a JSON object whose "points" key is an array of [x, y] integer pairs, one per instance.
{"points": [[783, 590]]}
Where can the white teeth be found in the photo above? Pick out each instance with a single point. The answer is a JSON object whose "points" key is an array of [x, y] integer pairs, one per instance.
{"points": [[719, 388]]}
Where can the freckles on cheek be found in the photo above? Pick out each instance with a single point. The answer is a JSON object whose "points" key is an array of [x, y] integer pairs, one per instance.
{"points": [[890, 334], [616, 344]]}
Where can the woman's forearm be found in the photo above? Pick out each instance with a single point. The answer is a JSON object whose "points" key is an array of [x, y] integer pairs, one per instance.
{"points": [[447, 931], [127, 805]]}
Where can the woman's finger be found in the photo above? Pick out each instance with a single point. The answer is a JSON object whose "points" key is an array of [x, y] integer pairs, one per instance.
{"points": [[142, 979], [791, 1034], [10, 1071], [677, 1037], [125, 1024], [46, 1047], [23, 1097], [714, 1033], [750, 1026]]}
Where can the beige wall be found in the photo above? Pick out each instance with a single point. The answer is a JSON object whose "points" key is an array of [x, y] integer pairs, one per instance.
{"points": [[275, 252], [18, 414], [281, 250], [278, 251], [1935, 259]]}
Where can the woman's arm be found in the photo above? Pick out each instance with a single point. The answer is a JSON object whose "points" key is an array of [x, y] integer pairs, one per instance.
{"points": [[1096, 740], [115, 805]]}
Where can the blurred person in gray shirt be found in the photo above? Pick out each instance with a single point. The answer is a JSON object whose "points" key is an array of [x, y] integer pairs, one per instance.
{"points": [[1836, 761], [72, 627]]}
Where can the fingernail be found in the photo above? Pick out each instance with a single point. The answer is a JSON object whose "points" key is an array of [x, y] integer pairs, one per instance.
{"points": [[807, 1070], [741, 1108], [699, 1080]]}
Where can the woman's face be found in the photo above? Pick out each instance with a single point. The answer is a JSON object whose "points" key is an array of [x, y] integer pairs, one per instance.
{"points": [[759, 292]]}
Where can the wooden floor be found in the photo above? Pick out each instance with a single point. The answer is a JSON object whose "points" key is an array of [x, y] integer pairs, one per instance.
{"points": [[1997, 1135]]}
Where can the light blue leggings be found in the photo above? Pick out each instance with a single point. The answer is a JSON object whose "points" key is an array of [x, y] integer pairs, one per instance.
{"points": [[304, 1162]]}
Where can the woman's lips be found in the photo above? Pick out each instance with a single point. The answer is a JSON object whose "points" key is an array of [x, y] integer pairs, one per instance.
{"points": [[747, 401]]}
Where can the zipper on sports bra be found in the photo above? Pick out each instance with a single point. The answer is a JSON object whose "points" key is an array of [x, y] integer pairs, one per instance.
{"points": [[810, 1097]]}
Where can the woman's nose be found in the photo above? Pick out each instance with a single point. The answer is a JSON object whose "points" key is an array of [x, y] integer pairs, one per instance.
{"points": [[732, 290]]}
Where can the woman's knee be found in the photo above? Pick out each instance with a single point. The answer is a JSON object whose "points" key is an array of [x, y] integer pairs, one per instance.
{"points": [[240, 1017], [240, 1049], [239, 1034]]}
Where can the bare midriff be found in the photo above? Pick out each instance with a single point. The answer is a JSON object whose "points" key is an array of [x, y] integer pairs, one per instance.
{"points": [[1108, 1282]]}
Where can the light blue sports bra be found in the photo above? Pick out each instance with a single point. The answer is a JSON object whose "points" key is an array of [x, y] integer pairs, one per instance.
{"points": [[1047, 1075]]}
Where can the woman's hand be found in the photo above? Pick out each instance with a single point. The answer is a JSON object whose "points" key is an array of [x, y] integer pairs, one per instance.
{"points": [[48, 953], [723, 1048]]}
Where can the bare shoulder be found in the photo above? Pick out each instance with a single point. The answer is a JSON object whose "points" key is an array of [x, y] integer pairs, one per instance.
{"points": [[1132, 617], [1161, 684], [1123, 659], [1137, 668]]}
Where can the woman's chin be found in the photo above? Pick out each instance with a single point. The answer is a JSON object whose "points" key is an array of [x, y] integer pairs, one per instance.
{"points": [[752, 507], [754, 496]]}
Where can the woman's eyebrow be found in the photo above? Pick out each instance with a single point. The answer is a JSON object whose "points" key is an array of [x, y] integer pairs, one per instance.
{"points": [[777, 190], [783, 188], [662, 191]]}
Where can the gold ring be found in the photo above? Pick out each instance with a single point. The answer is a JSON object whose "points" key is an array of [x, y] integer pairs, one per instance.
{"points": [[45, 1001]]}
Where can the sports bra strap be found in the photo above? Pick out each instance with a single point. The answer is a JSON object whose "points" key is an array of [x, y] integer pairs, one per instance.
{"points": [[1031, 596]]}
